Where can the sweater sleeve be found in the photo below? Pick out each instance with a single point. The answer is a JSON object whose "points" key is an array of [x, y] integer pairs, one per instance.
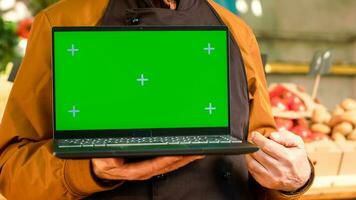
{"points": [[261, 117], [28, 169]]}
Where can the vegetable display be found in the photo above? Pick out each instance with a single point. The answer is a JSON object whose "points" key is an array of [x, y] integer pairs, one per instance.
{"points": [[296, 112]]}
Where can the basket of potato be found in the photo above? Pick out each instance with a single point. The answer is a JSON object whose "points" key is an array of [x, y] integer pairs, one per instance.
{"points": [[340, 124]]}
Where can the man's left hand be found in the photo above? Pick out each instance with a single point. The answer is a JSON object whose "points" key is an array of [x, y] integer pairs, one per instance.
{"points": [[281, 163]]}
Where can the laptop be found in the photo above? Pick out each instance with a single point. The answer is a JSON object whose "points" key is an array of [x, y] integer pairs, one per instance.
{"points": [[142, 91]]}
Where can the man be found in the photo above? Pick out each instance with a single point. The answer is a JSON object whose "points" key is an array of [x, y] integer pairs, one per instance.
{"points": [[29, 170]]}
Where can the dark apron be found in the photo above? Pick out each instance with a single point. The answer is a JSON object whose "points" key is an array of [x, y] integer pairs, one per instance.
{"points": [[215, 177]]}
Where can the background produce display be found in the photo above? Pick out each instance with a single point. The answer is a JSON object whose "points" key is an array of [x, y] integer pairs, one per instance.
{"points": [[295, 111], [330, 137]]}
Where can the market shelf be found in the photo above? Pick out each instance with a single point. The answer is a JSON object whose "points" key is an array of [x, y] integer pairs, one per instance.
{"points": [[284, 68]]}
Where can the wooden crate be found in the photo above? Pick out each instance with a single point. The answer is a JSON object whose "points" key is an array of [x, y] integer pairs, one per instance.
{"points": [[339, 187], [330, 193], [348, 162], [326, 156]]}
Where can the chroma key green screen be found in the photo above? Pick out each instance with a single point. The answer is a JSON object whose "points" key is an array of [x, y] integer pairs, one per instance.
{"points": [[130, 79]]}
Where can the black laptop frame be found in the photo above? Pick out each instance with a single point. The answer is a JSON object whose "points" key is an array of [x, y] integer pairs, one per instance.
{"points": [[149, 132]]}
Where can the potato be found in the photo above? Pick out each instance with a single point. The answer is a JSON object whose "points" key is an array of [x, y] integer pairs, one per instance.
{"points": [[343, 128], [348, 104], [327, 118], [320, 115], [321, 128], [338, 137], [349, 116], [352, 135], [338, 111], [317, 116], [335, 119]]}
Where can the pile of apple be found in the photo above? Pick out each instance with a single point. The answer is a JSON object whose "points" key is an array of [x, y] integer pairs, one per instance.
{"points": [[285, 100], [299, 127]]}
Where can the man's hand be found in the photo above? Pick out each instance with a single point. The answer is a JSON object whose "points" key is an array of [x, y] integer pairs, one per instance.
{"points": [[117, 169], [281, 163]]}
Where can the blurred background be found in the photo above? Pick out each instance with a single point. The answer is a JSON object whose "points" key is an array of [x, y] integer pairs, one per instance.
{"points": [[309, 53]]}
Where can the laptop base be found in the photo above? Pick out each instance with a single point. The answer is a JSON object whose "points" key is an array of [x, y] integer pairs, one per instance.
{"points": [[156, 150]]}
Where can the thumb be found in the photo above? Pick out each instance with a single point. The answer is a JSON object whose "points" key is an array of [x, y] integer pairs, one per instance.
{"points": [[287, 139]]}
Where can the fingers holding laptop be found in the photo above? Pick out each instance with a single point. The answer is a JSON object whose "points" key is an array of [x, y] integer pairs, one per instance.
{"points": [[117, 169]]}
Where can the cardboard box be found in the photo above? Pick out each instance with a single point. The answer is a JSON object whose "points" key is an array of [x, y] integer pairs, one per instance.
{"points": [[348, 162], [326, 157]]}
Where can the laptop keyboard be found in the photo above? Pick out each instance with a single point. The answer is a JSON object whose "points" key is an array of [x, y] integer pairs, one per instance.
{"points": [[140, 141]]}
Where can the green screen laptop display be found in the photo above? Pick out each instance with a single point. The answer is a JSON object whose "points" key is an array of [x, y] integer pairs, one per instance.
{"points": [[129, 79]]}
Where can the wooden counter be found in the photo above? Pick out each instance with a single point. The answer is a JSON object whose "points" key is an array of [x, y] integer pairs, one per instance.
{"points": [[332, 187]]}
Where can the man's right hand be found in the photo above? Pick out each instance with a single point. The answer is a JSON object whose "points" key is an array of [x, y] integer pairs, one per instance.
{"points": [[117, 169]]}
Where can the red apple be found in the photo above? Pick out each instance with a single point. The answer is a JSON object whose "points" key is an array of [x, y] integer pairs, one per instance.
{"points": [[287, 94], [288, 97], [283, 124], [303, 132], [318, 136], [277, 91], [279, 103], [302, 122], [297, 100], [298, 107]]}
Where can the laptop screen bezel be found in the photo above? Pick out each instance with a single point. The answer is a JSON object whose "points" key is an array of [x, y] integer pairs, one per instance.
{"points": [[149, 132]]}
